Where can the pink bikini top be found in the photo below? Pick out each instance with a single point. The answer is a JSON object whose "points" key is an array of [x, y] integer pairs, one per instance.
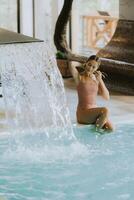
{"points": [[87, 93]]}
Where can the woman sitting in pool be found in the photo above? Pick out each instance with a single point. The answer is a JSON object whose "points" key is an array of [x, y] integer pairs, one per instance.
{"points": [[89, 84]]}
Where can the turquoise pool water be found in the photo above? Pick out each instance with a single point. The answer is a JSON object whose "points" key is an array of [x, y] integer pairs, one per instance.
{"points": [[93, 167]]}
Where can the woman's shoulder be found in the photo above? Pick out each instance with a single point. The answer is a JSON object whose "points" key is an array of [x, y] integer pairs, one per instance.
{"points": [[82, 77]]}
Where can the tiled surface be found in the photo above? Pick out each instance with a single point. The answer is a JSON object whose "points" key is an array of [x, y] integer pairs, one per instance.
{"points": [[121, 107]]}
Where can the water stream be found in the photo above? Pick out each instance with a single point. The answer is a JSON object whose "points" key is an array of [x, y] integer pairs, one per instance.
{"points": [[33, 90]]}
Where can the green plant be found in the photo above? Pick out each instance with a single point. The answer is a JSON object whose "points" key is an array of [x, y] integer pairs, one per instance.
{"points": [[60, 55]]}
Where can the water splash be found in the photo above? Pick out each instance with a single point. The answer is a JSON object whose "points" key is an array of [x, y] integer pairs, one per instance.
{"points": [[33, 90]]}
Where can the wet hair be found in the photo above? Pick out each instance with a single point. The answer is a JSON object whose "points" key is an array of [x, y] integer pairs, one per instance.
{"points": [[93, 57]]}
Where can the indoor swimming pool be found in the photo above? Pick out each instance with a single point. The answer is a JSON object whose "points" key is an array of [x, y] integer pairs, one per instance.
{"points": [[41, 156]]}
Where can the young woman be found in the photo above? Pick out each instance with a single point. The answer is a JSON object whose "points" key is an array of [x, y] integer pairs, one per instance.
{"points": [[89, 84]]}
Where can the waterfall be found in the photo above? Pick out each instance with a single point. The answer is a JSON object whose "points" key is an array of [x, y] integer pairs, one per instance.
{"points": [[33, 90]]}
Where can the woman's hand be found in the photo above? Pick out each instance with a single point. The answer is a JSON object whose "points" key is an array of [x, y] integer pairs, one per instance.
{"points": [[98, 75]]}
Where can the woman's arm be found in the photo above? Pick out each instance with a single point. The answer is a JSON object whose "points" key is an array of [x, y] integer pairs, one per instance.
{"points": [[103, 91], [74, 73]]}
